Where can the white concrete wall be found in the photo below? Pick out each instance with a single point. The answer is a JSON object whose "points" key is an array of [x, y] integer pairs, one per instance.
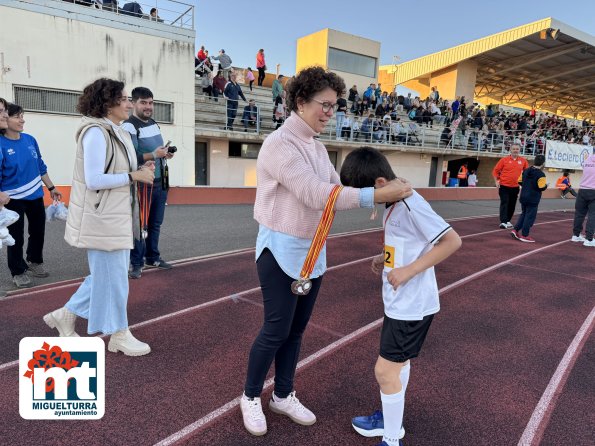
{"points": [[226, 171], [51, 51]]}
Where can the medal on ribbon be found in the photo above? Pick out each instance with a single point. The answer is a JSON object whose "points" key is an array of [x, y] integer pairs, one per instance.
{"points": [[303, 285], [145, 195]]}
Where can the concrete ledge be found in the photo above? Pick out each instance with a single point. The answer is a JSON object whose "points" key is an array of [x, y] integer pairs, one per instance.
{"points": [[246, 195]]}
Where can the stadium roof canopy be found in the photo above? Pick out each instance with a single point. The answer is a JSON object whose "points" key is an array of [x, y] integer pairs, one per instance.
{"points": [[546, 64]]}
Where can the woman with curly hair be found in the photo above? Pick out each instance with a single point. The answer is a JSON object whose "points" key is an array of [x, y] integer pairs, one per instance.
{"points": [[295, 180], [103, 217]]}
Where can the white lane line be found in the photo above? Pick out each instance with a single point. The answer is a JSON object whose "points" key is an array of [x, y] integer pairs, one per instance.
{"points": [[191, 428], [208, 257], [535, 429]]}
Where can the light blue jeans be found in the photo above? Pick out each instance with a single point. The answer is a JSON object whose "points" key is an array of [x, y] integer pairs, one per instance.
{"points": [[340, 116], [102, 297]]}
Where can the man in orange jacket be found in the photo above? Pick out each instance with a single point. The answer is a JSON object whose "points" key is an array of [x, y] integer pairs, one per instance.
{"points": [[506, 175], [462, 175]]}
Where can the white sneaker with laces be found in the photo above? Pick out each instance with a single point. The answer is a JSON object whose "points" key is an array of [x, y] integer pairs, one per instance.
{"points": [[509, 225], [292, 407], [578, 238], [124, 342], [590, 243], [254, 419]]}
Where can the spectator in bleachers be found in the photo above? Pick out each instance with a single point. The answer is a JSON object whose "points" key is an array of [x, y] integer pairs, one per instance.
{"points": [[346, 127], [279, 110], [201, 55], [398, 132], [249, 76], [356, 107], [369, 94], [232, 92], [153, 15], [132, 9], [206, 83], [355, 128], [340, 115], [407, 103], [455, 108], [367, 127], [219, 83], [109, 5], [261, 66], [378, 95], [352, 94], [445, 136], [250, 115], [277, 87], [224, 63], [434, 95]]}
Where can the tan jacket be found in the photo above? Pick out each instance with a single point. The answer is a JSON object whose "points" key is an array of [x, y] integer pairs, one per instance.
{"points": [[102, 219]]}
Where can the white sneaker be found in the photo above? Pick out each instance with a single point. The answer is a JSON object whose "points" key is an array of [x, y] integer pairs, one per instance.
{"points": [[254, 419], [124, 342], [578, 238], [292, 407], [589, 243], [509, 225], [62, 320]]}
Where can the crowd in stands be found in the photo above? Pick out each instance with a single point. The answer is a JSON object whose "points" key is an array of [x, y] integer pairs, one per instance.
{"points": [[133, 9], [375, 115]]}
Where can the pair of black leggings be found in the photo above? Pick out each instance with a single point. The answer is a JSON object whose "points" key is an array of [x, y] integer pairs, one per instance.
{"points": [[261, 76], [584, 207], [35, 212], [285, 319]]}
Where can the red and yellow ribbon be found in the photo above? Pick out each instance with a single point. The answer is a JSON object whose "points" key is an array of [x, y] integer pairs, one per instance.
{"points": [[324, 226]]}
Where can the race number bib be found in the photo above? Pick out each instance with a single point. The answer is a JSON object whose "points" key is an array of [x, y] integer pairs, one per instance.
{"points": [[393, 252]]}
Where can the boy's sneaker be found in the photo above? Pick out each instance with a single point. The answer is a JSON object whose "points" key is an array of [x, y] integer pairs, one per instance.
{"points": [[578, 238], [37, 270], [509, 225], [254, 419], [292, 407], [503, 226], [135, 272], [160, 264], [515, 234], [22, 281], [372, 426], [590, 243], [527, 239]]}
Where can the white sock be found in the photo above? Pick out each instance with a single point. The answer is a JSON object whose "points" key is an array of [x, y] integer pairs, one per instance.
{"points": [[392, 409], [405, 376]]}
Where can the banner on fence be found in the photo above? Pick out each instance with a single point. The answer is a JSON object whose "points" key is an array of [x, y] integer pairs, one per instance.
{"points": [[563, 155]]}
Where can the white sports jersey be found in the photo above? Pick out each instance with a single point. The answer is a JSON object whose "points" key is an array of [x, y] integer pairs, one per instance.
{"points": [[411, 230]]}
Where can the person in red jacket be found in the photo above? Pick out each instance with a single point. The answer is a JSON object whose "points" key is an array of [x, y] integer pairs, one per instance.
{"points": [[506, 175]]}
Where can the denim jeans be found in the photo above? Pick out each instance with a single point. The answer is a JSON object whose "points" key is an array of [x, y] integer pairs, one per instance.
{"points": [[103, 296], [148, 249], [340, 116]]}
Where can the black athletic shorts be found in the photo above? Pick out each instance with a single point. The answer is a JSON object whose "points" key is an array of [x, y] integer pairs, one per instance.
{"points": [[402, 340]]}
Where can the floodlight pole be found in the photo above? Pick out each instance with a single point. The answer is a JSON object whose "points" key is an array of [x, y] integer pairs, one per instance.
{"points": [[395, 60]]}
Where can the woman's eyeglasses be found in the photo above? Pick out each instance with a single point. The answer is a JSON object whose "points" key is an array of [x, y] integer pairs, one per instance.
{"points": [[327, 106]]}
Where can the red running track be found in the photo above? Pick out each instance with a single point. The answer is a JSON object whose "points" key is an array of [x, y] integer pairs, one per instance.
{"points": [[488, 359]]}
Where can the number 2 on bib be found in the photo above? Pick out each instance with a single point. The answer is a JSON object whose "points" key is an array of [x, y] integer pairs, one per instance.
{"points": [[389, 256]]}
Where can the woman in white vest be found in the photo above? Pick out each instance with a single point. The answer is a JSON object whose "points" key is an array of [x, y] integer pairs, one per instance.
{"points": [[103, 217]]}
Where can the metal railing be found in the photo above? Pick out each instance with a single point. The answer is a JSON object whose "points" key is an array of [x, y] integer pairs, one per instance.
{"points": [[169, 12], [402, 135]]}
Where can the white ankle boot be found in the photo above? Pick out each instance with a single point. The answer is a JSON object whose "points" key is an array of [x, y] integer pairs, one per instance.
{"points": [[124, 342], [63, 320]]}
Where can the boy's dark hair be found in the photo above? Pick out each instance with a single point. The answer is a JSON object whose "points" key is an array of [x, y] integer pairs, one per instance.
{"points": [[310, 81], [141, 93], [363, 166], [565, 174], [539, 160], [14, 109], [99, 96]]}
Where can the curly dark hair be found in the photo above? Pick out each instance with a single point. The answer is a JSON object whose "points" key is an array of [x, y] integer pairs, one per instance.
{"points": [[4, 102], [100, 96], [310, 81]]}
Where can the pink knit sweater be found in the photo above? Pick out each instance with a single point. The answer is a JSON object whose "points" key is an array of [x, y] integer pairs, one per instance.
{"points": [[294, 180]]}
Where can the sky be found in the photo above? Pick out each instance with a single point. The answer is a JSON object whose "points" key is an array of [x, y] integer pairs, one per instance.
{"points": [[407, 29]]}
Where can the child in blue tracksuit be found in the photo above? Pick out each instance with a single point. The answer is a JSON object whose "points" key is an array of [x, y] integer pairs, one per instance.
{"points": [[533, 183], [415, 239]]}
